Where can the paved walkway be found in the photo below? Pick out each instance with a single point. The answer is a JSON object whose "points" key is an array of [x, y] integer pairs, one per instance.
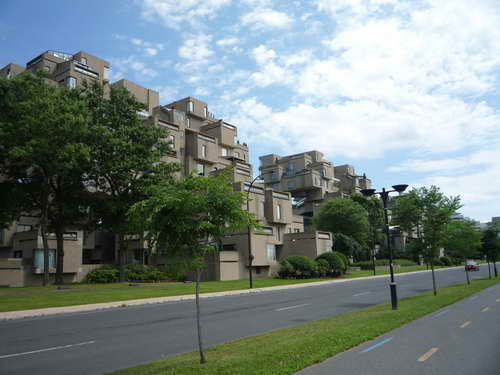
{"points": [[20, 314]]}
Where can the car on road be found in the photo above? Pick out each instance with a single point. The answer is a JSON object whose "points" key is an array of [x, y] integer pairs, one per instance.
{"points": [[471, 265]]}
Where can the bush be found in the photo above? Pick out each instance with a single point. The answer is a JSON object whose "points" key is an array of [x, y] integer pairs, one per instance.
{"points": [[105, 274], [286, 269], [302, 266], [345, 261], [404, 262], [445, 261], [139, 272], [323, 267], [336, 265]]}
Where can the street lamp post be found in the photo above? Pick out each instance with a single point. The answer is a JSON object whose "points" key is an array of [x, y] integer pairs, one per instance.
{"points": [[384, 194], [250, 255]]}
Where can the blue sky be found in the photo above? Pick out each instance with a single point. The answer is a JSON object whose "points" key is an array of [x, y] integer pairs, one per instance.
{"points": [[404, 90]]}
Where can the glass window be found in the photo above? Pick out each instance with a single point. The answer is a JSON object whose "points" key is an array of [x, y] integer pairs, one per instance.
{"points": [[262, 208], [71, 82], [105, 74], [83, 60], [171, 139], [271, 251], [291, 166], [200, 168], [190, 107], [278, 212], [224, 151], [188, 122], [291, 184], [203, 151], [1, 236], [237, 154], [23, 228], [18, 254], [297, 230], [38, 258], [205, 111]]}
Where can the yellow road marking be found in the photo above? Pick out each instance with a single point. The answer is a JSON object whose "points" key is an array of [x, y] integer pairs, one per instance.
{"points": [[427, 355], [465, 324], [485, 309]]}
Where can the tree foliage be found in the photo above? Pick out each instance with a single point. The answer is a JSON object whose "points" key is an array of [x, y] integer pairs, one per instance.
{"points": [[346, 217]]}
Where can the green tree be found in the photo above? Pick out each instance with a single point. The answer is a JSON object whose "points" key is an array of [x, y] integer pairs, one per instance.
{"points": [[127, 153], [462, 241], [344, 216], [44, 143], [187, 216], [491, 246], [375, 209], [347, 246], [437, 210]]}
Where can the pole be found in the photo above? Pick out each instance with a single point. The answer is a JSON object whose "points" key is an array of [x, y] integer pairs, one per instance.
{"points": [[249, 233], [394, 295]]}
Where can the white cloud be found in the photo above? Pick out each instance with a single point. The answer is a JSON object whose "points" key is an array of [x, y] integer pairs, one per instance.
{"points": [[266, 18], [197, 53], [147, 48], [176, 14], [228, 42], [134, 65]]}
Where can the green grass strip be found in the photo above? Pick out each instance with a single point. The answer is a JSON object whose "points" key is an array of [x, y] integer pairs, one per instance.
{"points": [[286, 351], [14, 299]]}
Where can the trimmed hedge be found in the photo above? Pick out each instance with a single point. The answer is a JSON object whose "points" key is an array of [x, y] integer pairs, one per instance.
{"points": [[303, 266], [335, 262], [133, 272], [345, 260], [368, 265]]}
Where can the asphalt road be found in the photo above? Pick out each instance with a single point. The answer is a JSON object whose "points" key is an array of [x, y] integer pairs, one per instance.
{"points": [[102, 341], [461, 339]]}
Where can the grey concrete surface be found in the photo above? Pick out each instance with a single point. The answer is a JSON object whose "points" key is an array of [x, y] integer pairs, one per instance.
{"points": [[461, 339], [100, 341]]}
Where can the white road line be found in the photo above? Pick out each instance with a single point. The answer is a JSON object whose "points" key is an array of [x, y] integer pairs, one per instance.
{"points": [[47, 349], [360, 294], [292, 307]]}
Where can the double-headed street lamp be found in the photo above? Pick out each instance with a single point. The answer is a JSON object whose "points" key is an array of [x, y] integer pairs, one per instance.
{"points": [[250, 255], [384, 194]]}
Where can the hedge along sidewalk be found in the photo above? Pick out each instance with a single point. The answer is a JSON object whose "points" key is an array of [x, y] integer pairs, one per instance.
{"points": [[286, 351], [20, 314]]}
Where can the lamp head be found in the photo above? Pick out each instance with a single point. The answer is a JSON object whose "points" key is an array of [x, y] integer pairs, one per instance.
{"points": [[367, 192], [400, 188]]}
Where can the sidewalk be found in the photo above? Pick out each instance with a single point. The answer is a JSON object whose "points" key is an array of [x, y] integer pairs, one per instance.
{"points": [[20, 314]]}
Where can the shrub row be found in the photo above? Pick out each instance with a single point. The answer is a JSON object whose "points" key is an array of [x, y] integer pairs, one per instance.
{"points": [[133, 272], [301, 267], [368, 265]]}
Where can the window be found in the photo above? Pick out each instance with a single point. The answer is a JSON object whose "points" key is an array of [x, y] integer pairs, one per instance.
{"points": [[190, 106], [46, 68], [291, 166], [205, 111], [297, 230], [200, 168], [267, 230], [1, 236], [83, 60], [178, 116], [224, 151], [237, 154], [105, 74], [18, 254], [71, 82], [278, 212], [235, 140], [271, 251], [203, 151], [171, 139], [188, 122], [316, 181], [229, 247], [291, 184], [262, 209], [38, 258], [23, 228], [279, 233]]}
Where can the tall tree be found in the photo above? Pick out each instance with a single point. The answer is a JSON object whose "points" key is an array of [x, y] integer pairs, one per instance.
{"points": [[187, 218], [462, 241], [344, 216], [375, 209], [437, 210], [127, 153], [44, 145], [491, 246]]}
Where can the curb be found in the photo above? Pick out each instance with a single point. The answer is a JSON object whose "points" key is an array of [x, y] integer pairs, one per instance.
{"points": [[22, 314]]}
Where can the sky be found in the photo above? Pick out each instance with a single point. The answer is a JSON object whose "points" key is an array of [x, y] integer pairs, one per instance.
{"points": [[404, 90]]}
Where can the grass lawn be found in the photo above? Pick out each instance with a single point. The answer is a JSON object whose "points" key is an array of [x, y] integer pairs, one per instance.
{"points": [[12, 299], [289, 350]]}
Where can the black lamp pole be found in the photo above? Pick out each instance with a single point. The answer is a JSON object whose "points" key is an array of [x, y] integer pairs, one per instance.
{"points": [[384, 194], [249, 230]]}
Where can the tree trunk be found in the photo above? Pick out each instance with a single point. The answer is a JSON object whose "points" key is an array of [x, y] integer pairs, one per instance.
{"points": [[467, 273], [433, 278], [60, 256], [121, 257], [495, 267], [198, 321], [489, 269]]}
